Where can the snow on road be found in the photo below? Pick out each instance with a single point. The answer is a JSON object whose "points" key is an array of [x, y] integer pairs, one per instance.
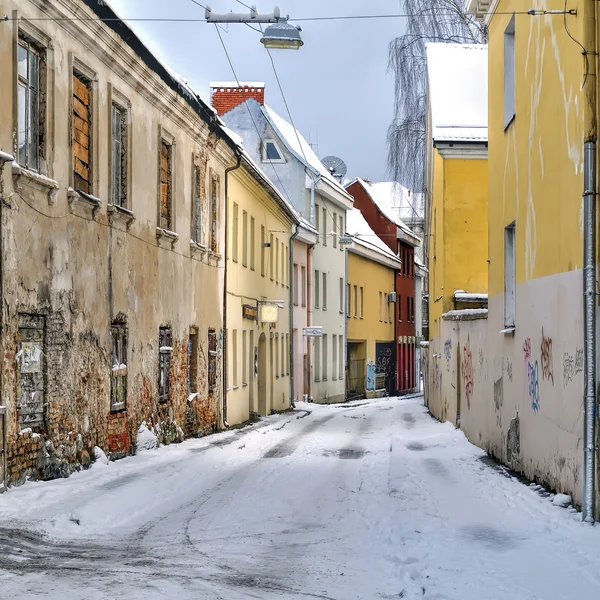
{"points": [[360, 501]]}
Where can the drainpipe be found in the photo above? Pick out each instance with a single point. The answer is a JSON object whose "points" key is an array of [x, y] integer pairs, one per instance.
{"points": [[224, 375], [347, 291], [589, 266], [309, 319], [292, 290]]}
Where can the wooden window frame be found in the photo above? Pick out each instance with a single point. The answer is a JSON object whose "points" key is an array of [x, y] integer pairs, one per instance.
{"points": [[118, 100], [197, 230], [168, 140]]}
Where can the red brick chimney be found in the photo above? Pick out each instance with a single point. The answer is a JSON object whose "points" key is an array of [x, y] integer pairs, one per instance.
{"points": [[225, 96]]}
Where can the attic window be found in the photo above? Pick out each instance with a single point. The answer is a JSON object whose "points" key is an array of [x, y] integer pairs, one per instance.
{"points": [[271, 152]]}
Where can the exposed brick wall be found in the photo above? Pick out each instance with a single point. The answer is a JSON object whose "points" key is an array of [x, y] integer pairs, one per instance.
{"points": [[225, 99]]}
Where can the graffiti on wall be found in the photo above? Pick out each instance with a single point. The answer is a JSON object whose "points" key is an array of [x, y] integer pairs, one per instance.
{"points": [[546, 360], [437, 375], [481, 359], [527, 348], [498, 400], [578, 360], [448, 353], [509, 370], [467, 371], [568, 368], [534, 385]]}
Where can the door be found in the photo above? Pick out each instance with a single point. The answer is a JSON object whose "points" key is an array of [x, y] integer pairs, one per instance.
{"points": [[385, 363], [262, 374]]}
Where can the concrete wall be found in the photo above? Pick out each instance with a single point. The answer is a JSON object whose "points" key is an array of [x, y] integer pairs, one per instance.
{"points": [[77, 267]]}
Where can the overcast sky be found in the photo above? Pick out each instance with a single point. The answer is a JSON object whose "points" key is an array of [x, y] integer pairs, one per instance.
{"points": [[337, 85]]}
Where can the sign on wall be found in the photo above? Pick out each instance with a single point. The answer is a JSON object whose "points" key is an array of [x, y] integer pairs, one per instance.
{"points": [[269, 313], [249, 312], [312, 331]]}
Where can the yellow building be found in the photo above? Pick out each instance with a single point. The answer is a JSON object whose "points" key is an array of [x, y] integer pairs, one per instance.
{"points": [[260, 225], [542, 111], [370, 309], [457, 187]]}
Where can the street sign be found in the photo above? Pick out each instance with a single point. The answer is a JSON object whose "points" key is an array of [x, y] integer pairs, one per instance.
{"points": [[312, 331]]}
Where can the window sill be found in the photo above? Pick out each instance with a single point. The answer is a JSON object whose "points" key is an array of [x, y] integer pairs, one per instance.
{"points": [[236, 387], [84, 200], [276, 376], [244, 384], [119, 213], [118, 408], [509, 331], [215, 257], [196, 248], [317, 381], [167, 235], [25, 178]]}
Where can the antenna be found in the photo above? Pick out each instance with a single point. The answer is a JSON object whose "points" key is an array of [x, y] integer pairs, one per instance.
{"points": [[336, 166]]}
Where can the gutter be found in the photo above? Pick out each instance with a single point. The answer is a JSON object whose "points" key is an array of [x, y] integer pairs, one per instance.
{"points": [[228, 170]]}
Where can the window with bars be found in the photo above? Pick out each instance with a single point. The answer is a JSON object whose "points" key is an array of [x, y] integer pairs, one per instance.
{"points": [[165, 349], [119, 156], [212, 361], [30, 122], [118, 388], [166, 165], [197, 233], [82, 134]]}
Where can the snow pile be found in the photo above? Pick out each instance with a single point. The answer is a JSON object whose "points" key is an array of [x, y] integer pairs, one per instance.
{"points": [[101, 458], [562, 500], [146, 439]]}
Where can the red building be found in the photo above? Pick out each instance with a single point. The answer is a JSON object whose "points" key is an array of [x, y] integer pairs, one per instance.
{"points": [[378, 211]]}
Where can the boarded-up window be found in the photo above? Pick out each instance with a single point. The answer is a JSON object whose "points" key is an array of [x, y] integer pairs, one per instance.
{"points": [[165, 350], [193, 361], [197, 206], [118, 388], [214, 191], [212, 360], [165, 186], [82, 134], [119, 156], [31, 370]]}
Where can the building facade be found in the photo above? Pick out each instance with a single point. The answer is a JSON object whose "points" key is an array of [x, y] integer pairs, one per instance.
{"points": [[111, 318], [260, 228], [289, 161], [370, 310]]}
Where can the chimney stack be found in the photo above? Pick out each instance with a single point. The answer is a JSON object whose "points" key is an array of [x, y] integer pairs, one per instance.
{"points": [[226, 95]]}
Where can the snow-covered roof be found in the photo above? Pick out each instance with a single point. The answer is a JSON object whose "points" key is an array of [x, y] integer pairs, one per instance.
{"points": [[361, 232], [298, 145], [458, 89]]}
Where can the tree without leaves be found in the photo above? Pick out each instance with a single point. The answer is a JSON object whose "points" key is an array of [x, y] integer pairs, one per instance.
{"points": [[428, 21]]}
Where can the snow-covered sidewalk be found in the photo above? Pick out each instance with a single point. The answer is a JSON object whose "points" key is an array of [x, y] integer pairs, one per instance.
{"points": [[360, 501]]}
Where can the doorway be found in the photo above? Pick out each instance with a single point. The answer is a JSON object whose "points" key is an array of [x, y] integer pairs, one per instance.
{"points": [[262, 375]]}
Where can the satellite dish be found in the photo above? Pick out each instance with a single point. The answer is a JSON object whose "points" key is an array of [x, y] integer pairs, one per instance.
{"points": [[336, 166]]}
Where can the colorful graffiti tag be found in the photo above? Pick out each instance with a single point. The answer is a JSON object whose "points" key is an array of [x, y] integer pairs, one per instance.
{"points": [[448, 353], [467, 372], [546, 360], [534, 385]]}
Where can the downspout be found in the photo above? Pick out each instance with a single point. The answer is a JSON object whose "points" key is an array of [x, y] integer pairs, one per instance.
{"points": [[309, 319], [291, 291], [346, 304], [589, 266], [224, 375]]}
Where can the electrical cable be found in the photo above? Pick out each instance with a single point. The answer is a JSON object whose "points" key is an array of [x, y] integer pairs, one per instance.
{"points": [[583, 50]]}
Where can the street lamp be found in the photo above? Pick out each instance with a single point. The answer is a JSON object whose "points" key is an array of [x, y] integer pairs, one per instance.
{"points": [[282, 36]]}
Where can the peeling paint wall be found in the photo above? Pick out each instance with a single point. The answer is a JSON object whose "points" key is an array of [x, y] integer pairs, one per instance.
{"points": [[79, 265]]}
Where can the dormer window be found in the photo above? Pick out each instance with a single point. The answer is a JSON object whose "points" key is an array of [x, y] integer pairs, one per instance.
{"points": [[271, 152]]}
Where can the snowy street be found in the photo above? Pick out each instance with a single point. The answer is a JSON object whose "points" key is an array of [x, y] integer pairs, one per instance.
{"points": [[360, 501]]}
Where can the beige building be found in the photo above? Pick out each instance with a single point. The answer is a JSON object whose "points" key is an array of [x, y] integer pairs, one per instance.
{"points": [[112, 241]]}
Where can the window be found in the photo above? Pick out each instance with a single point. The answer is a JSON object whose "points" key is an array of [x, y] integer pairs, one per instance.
{"points": [[341, 357], [212, 361], [380, 306], [165, 349], [348, 300], [286, 267], [317, 361], [287, 353], [251, 357], [244, 358], [244, 239], [389, 311], [399, 302], [276, 260], [317, 218], [509, 276], [341, 231], [303, 283], [234, 232], [296, 291], [283, 353], [166, 208], [252, 244], [271, 255], [362, 302], [234, 359], [355, 301], [30, 130], [324, 291], [271, 152], [335, 232], [263, 241], [509, 72], [82, 134], [317, 290], [197, 234], [341, 295], [276, 367], [334, 349], [118, 387], [324, 371], [214, 194], [193, 361], [119, 156], [324, 226]]}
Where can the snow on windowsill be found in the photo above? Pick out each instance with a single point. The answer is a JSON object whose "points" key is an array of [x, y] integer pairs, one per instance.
{"points": [[25, 176], [196, 247], [88, 200], [6, 157], [467, 314], [508, 331], [167, 234], [192, 396], [120, 212], [462, 296], [165, 349]]}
